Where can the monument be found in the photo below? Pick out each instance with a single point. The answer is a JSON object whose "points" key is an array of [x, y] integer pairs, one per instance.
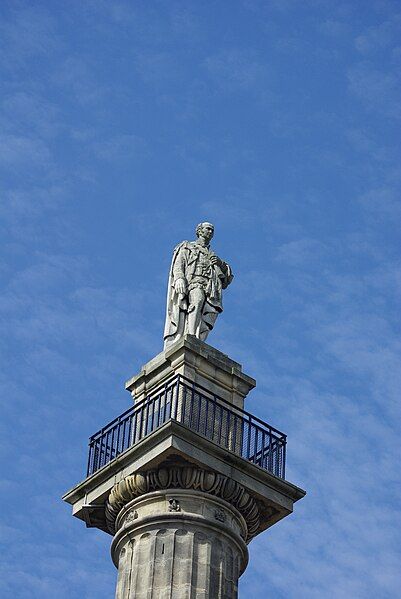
{"points": [[194, 292], [186, 478]]}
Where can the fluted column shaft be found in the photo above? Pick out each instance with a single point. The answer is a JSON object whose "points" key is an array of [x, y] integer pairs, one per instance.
{"points": [[179, 544]]}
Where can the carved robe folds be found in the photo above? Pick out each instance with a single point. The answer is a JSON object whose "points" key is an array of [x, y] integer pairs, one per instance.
{"points": [[195, 311]]}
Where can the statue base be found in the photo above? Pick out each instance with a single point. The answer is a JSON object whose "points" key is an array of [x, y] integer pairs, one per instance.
{"points": [[200, 363]]}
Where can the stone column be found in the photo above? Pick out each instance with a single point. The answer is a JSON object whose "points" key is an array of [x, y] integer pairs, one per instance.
{"points": [[179, 543]]}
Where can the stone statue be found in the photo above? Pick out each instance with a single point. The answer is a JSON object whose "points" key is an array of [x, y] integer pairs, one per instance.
{"points": [[194, 295]]}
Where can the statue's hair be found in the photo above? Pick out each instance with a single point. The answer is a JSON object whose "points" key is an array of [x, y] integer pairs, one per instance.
{"points": [[199, 227]]}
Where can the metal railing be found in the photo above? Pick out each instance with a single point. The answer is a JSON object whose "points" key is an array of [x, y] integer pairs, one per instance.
{"points": [[200, 410]]}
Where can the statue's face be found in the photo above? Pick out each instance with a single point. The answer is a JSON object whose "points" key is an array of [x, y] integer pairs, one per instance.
{"points": [[207, 231]]}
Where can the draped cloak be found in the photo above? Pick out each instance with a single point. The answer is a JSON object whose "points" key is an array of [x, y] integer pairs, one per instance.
{"points": [[183, 266]]}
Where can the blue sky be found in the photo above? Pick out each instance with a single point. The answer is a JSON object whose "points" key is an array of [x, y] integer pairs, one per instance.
{"points": [[123, 125]]}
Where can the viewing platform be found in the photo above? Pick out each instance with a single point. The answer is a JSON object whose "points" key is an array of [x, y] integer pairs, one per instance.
{"points": [[192, 405]]}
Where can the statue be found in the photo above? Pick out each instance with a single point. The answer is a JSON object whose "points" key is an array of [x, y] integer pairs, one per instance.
{"points": [[194, 295]]}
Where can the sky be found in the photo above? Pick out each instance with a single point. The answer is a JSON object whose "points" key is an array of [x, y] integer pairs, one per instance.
{"points": [[122, 126]]}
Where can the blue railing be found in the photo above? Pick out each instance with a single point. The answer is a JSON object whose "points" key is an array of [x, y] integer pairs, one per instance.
{"points": [[201, 411]]}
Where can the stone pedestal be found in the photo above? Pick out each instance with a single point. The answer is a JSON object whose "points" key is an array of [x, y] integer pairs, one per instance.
{"points": [[198, 362], [181, 506]]}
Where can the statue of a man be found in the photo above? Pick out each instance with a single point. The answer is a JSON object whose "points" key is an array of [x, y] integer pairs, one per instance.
{"points": [[194, 295]]}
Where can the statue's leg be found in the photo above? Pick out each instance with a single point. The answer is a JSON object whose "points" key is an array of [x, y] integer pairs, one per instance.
{"points": [[181, 325], [209, 315], [196, 302]]}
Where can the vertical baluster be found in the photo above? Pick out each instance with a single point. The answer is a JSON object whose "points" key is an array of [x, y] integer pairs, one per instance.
{"points": [[214, 418], [223, 425], [255, 450], [88, 469], [145, 418], [158, 410], [271, 452], [153, 413], [124, 426], [206, 417], [228, 429], [134, 426], [220, 421], [108, 448], [112, 442], [276, 462], [138, 423], [248, 447], [277, 465], [191, 409], [128, 438], [95, 457], [118, 436], [164, 405], [102, 444], [101, 450], [234, 433], [174, 400], [198, 410], [263, 450], [183, 402]]}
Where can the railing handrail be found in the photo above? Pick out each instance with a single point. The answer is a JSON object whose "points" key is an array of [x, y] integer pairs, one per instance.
{"points": [[180, 399], [136, 407], [177, 378], [231, 406]]}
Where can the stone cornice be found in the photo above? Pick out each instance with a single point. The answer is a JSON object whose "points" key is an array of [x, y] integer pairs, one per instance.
{"points": [[183, 477]]}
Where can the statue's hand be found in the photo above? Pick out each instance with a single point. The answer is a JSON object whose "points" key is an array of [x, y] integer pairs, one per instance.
{"points": [[180, 286], [215, 260]]}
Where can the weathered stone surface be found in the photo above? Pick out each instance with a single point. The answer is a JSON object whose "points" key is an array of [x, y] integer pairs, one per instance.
{"points": [[196, 280], [183, 553], [275, 496], [185, 477], [198, 362]]}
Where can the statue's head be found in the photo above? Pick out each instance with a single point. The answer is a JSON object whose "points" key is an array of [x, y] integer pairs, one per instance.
{"points": [[205, 230]]}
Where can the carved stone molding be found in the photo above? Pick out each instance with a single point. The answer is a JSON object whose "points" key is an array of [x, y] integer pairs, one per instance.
{"points": [[174, 505], [183, 477], [220, 515]]}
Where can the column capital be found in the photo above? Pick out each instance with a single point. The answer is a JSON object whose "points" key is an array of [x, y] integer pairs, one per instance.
{"points": [[189, 477]]}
